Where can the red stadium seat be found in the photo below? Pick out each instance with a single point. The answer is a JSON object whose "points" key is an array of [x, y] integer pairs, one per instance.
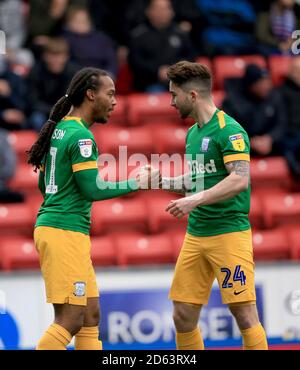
{"points": [[144, 108], [118, 215], [34, 202], [124, 83], [18, 253], [158, 218], [295, 185], [206, 61], [279, 68], [177, 238], [270, 245], [22, 141], [281, 209], [218, 97], [103, 251], [25, 179], [270, 172], [16, 219], [139, 249], [170, 139], [119, 115], [256, 212], [136, 140], [234, 66], [294, 240]]}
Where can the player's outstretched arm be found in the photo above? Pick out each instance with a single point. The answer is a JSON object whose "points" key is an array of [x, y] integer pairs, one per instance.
{"points": [[232, 185], [181, 184], [93, 188], [149, 178]]}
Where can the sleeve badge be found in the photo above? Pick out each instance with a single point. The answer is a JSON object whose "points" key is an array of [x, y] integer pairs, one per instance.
{"points": [[238, 142], [86, 147]]}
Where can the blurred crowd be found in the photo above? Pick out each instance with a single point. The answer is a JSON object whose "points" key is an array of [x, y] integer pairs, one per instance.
{"points": [[47, 41]]}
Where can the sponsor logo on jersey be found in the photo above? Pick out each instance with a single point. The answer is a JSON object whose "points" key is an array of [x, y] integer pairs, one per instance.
{"points": [[238, 142], [205, 144], [199, 168], [79, 289], [238, 293], [58, 134], [86, 147]]}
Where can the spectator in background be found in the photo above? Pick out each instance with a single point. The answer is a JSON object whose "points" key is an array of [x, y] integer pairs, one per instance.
{"points": [[88, 47], [12, 98], [156, 44], [229, 27], [275, 27], [7, 170], [12, 22], [109, 16], [48, 80], [45, 19], [260, 109], [118, 18], [291, 96], [186, 14]]}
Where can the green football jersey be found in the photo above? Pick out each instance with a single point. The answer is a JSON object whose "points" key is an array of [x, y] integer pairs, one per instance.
{"points": [[208, 149], [72, 149]]}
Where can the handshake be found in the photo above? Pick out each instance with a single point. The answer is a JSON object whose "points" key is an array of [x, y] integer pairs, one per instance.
{"points": [[149, 178]]}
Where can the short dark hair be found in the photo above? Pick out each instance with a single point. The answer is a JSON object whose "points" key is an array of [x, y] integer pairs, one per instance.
{"points": [[76, 8], [184, 73], [56, 46]]}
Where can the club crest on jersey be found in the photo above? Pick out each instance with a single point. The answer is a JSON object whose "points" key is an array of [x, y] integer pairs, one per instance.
{"points": [[79, 290], [85, 146], [205, 144], [238, 142]]}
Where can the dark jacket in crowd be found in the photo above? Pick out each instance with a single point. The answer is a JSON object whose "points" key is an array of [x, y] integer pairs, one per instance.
{"points": [[135, 14], [40, 21], [94, 49], [46, 87], [151, 48], [258, 117], [291, 95], [17, 98]]}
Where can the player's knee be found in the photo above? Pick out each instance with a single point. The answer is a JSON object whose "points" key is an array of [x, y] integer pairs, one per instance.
{"points": [[92, 318], [75, 327], [72, 322], [246, 316], [72, 327], [183, 320]]}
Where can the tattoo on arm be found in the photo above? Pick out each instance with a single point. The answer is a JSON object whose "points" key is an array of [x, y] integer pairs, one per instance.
{"points": [[241, 168]]}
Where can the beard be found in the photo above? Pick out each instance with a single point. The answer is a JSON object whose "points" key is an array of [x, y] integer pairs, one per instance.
{"points": [[185, 112], [102, 121]]}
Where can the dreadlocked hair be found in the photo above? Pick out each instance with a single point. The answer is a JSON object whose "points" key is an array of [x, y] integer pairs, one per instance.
{"points": [[85, 79]]}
